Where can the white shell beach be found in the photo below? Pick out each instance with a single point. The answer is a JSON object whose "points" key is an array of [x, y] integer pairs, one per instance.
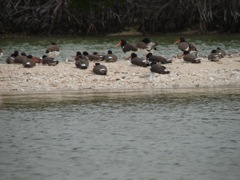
{"points": [[122, 75]]}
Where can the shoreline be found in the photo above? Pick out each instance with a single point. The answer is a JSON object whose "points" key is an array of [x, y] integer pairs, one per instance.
{"points": [[122, 76]]}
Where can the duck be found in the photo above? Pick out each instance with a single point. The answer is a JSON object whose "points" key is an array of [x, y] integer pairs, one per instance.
{"points": [[146, 45], [139, 61], [110, 57], [184, 45], [19, 58], [126, 48], [214, 56], [11, 58], [190, 57], [221, 52], [79, 55], [50, 61], [158, 68], [99, 69], [53, 50], [82, 63], [28, 62], [92, 57], [155, 58]]}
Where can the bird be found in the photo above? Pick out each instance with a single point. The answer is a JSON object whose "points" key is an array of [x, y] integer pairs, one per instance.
{"points": [[53, 50], [158, 68], [50, 61], [28, 62], [155, 58], [110, 57], [92, 57], [11, 58], [19, 58], [139, 61], [82, 63], [190, 57], [99, 69], [126, 48], [146, 45], [184, 45], [214, 56], [79, 55], [221, 52]]}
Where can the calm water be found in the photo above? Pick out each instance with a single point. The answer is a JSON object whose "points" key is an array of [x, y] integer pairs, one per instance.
{"points": [[175, 135], [70, 45]]}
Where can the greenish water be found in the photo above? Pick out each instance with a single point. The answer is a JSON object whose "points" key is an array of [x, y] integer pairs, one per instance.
{"points": [[69, 45], [172, 134]]}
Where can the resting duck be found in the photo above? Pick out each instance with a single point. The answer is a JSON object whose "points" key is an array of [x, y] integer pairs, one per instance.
{"points": [[190, 57], [138, 61], [11, 58], [92, 57], [214, 55], [158, 68], [19, 58], [82, 63], [110, 57], [49, 61], [126, 48], [28, 62], [99, 69], [154, 58], [221, 52]]}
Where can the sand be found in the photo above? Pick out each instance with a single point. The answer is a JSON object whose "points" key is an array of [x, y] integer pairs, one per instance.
{"points": [[122, 75]]}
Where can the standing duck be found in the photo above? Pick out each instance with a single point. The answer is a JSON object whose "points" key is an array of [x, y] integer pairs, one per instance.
{"points": [[53, 50], [190, 57], [154, 58], [99, 69], [146, 45], [138, 61], [158, 68], [183, 45]]}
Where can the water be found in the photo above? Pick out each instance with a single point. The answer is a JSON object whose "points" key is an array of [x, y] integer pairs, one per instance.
{"points": [[36, 46], [170, 134]]}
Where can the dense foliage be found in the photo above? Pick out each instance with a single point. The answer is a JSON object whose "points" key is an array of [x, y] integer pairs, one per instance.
{"points": [[107, 16]]}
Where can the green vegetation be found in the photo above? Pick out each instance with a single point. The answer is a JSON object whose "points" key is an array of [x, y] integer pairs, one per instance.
{"points": [[87, 17]]}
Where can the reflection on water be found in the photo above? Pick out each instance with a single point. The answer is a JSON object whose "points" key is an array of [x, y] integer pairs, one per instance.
{"points": [[175, 134]]}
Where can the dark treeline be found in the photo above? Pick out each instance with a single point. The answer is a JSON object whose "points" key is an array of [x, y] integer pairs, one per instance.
{"points": [[89, 17]]}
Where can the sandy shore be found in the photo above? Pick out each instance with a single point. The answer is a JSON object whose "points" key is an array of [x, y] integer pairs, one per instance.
{"points": [[121, 75]]}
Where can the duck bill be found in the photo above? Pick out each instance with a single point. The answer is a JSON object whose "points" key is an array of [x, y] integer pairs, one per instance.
{"points": [[177, 41], [128, 58], [118, 44]]}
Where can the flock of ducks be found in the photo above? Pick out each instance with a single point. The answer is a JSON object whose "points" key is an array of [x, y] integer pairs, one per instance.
{"points": [[145, 47]]}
